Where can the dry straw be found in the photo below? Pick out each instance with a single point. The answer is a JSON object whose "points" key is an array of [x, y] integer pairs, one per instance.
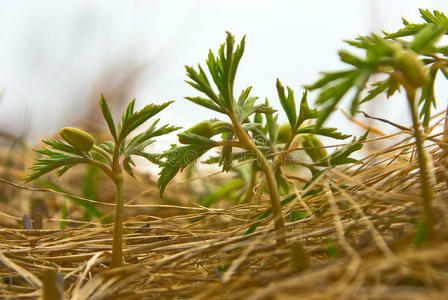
{"points": [[358, 240]]}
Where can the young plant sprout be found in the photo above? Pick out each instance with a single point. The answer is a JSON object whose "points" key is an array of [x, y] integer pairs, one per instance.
{"points": [[223, 71], [411, 64], [259, 138], [113, 157]]}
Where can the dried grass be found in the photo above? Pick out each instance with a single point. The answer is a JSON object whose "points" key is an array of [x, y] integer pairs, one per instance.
{"points": [[366, 213]]}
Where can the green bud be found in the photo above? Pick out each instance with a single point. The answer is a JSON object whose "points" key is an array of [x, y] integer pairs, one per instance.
{"points": [[77, 138], [204, 128], [311, 140], [284, 131], [258, 118], [412, 68]]}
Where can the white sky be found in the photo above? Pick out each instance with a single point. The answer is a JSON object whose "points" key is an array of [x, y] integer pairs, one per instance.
{"points": [[52, 52]]}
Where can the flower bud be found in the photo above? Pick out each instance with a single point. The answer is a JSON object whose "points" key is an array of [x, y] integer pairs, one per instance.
{"points": [[77, 138], [204, 128], [284, 131], [412, 68], [311, 140]]}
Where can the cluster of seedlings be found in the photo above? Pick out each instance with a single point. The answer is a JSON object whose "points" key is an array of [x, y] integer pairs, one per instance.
{"points": [[249, 132]]}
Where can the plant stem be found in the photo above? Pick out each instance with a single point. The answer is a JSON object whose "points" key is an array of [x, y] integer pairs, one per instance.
{"points": [[250, 189], [425, 177], [270, 178], [117, 244]]}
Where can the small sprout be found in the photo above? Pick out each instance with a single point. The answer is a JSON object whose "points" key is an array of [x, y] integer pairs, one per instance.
{"points": [[284, 131], [77, 138], [412, 64], [311, 141], [204, 128], [113, 157]]}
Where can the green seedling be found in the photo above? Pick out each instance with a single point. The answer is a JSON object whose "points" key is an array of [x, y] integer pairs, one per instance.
{"points": [[252, 128], [112, 157], [223, 70], [411, 64]]}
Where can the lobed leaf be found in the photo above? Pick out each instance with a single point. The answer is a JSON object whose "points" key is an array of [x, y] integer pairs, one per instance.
{"points": [[288, 103], [133, 120], [428, 98], [340, 156], [207, 103], [108, 116], [178, 158], [324, 131]]}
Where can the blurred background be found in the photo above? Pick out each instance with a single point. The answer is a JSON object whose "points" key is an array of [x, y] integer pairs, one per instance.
{"points": [[56, 57]]}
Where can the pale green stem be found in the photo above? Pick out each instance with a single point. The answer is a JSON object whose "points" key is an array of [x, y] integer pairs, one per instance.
{"points": [[117, 244], [270, 178], [425, 177], [250, 189]]}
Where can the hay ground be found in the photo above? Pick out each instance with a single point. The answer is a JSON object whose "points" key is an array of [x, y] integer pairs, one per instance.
{"points": [[356, 241]]}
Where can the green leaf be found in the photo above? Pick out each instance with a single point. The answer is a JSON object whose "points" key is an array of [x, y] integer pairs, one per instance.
{"points": [[436, 17], [222, 191], [410, 29], [62, 146], [128, 165], [297, 215], [151, 157], [236, 59], [244, 96], [324, 131], [108, 116], [340, 156], [202, 85], [239, 156], [54, 161], [108, 146], [352, 59], [207, 103], [132, 121], [223, 69], [140, 141], [263, 109], [226, 154], [380, 86], [327, 77], [128, 112], [428, 36], [360, 85], [288, 103], [428, 98], [305, 112], [246, 109], [271, 125], [331, 95], [178, 158], [281, 182]]}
